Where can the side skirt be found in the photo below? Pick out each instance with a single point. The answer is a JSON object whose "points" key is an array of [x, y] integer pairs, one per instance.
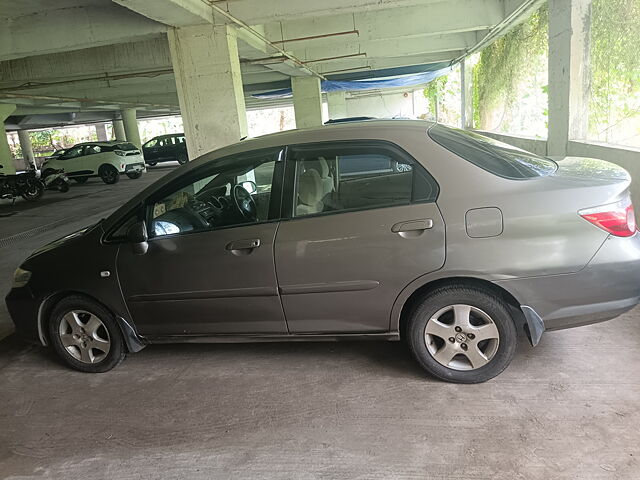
{"points": [[256, 338]]}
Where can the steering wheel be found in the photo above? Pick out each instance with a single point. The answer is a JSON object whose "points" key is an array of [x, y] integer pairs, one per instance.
{"points": [[245, 203]]}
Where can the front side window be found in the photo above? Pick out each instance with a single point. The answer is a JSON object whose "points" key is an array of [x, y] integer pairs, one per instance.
{"points": [[73, 152], [357, 176], [91, 149], [235, 191]]}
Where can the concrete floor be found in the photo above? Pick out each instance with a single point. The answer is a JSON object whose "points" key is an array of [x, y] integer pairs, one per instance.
{"points": [[567, 409]]}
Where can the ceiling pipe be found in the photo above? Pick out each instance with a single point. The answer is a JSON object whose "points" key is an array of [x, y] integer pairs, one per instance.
{"points": [[263, 39], [501, 28], [51, 99], [315, 37]]}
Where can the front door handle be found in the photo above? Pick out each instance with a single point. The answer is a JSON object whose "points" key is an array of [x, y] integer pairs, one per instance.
{"points": [[413, 226], [245, 245]]}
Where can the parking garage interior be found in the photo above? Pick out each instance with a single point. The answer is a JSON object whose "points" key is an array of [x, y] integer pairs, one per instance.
{"points": [[566, 408]]}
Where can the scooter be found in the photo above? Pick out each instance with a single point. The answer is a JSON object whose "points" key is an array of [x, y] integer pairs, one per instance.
{"points": [[26, 185], [56, 180]]}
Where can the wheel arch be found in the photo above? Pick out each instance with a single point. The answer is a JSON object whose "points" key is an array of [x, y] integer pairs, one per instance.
{"points": [[107, 164], [412, 294], [132, 339]]}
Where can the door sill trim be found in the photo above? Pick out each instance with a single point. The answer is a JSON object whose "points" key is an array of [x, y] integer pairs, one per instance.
{"points": [[257, 338]]}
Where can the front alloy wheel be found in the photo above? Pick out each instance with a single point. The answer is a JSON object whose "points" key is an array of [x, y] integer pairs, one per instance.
{"points": [[85, 335]]}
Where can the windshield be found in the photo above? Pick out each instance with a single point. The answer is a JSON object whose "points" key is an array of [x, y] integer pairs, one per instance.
{"points": [[491, 155]]}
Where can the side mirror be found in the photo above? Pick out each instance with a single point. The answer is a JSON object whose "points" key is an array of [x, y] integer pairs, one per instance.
{"points": [[137, 236]]}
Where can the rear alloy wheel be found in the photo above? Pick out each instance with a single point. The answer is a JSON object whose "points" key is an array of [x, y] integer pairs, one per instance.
{"points": [[462, 334], [109, 174], [182, 158], [134, 175], [85, 335]]}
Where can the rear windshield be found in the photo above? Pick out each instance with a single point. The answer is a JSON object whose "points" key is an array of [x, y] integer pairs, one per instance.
{"points": [[491, 155], [125, 146]]}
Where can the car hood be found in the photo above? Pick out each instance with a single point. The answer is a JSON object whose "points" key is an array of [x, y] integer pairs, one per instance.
{"points": [[63, 240]]}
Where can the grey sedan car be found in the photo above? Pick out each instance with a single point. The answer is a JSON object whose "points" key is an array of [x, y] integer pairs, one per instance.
{"points": [[371, 230]]}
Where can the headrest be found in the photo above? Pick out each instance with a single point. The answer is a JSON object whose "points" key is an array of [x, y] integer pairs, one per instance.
{"points": [[320, 165], [310, 188]]}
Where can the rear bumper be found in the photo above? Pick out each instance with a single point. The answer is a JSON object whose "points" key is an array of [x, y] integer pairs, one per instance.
{"points": [[135, 167], [606, 288]]}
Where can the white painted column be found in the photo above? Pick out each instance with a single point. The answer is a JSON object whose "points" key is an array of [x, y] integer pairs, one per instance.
{"points": [[118, 130], [466, 96], [27, 150], [6, 160], [209, 83], [568, 73], [337, 102], [307, 101], [101, 131], [131, 126]]}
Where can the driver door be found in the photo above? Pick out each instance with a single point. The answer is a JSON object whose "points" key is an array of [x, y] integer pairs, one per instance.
{"points": [[209, 268]]}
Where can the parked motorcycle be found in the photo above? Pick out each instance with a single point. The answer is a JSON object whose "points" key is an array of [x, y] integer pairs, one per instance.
{"points": [[26, 185], [56, 180]]}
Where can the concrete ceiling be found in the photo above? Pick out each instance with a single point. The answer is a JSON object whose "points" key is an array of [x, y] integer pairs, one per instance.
{"points": [[96, 56]]}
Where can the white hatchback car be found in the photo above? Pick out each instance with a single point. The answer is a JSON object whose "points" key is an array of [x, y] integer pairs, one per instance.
{"points": [[104, 159]]}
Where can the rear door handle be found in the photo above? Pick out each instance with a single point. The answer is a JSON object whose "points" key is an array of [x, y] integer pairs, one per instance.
{"points": [[243, 244], [412, 226]]}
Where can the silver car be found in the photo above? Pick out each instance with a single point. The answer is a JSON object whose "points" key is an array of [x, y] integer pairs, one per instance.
{"points": [[370, 230]]}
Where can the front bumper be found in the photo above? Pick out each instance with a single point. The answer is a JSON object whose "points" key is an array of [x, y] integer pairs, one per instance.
{"points": [[607, 287], [23, 308]]}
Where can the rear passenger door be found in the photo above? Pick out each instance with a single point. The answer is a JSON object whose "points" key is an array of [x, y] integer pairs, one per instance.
{"points": [[362, 224]]}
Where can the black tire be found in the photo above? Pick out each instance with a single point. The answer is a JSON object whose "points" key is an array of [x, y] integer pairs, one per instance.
{"points": [[81, 179], [134, 175], [109, 174], [152, 164], [33, 190], [182, 158], [64, 187], [109, 330], [477, 298]]}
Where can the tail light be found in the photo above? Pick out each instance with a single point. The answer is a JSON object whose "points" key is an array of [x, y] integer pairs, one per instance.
{"points": [[618, 218]]}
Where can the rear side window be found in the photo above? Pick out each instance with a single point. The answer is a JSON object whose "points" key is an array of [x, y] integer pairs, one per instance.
{"points": [[359, 175], [491, 155]]}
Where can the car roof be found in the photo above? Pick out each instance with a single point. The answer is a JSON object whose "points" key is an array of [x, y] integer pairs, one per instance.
{"points": [[351, 130], [104, 143]]}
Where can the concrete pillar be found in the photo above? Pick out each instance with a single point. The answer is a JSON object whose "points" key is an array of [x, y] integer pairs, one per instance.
{"points": [[568, 73], [101, 132], [466, 97], [209, 83], [337, 102], [6, 160], [118, 130], [131, 126], [27, 150], [307, 101]]}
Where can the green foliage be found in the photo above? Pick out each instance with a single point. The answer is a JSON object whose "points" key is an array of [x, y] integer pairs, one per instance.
{"points": [[615, 68], [506, 63], [433, 91]]}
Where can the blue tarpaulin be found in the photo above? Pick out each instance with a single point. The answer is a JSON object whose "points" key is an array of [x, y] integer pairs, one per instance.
{"points": [[334, 86]]}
